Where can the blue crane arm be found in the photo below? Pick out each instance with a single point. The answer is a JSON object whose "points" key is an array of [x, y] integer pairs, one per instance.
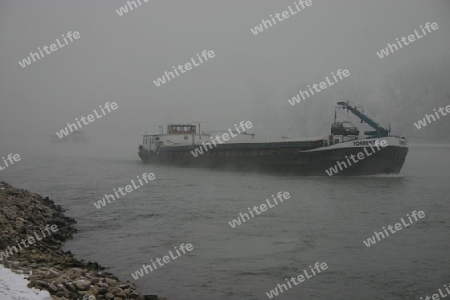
{"points": [[379, 130]]}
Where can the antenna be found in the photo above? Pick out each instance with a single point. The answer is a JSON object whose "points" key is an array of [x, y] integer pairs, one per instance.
{"points": [[199, 124]]}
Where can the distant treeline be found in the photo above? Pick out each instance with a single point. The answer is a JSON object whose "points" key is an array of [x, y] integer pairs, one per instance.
{"points": [[399, 98]]}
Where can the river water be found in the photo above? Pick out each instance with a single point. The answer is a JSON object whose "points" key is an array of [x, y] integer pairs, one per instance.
{"points": [[325, 220]]}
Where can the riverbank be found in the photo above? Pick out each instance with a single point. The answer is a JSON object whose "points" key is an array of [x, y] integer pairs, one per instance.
{"points": [[14, 286], [28, 217]]}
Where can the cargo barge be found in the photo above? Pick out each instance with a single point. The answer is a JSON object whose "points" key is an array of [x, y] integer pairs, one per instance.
{"points": [[311, 156], [76, 137]]}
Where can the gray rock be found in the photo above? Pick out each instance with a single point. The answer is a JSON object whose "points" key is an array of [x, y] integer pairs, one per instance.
{"points": [[109, 296], [83, 285]]}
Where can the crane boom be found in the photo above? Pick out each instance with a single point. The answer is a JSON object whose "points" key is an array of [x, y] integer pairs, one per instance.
{"points": [[379, 130]]}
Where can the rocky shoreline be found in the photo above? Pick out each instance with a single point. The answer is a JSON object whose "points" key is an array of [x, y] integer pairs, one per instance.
{"points": [[29, 244]]}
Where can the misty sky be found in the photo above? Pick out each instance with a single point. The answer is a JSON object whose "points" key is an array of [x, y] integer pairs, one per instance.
{"points": [[118, 57]]}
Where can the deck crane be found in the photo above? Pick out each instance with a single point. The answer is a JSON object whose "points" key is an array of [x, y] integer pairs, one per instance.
{"points": [[379, 130]]}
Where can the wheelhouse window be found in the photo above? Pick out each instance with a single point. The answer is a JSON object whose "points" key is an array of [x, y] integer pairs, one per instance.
{"points": [[181, 129]]}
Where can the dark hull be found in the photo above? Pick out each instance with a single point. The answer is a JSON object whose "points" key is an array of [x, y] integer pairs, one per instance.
{"points": [[387, 160]]}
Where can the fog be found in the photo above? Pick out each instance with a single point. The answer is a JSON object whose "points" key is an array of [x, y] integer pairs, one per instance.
{"points": [[117, 58]]}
